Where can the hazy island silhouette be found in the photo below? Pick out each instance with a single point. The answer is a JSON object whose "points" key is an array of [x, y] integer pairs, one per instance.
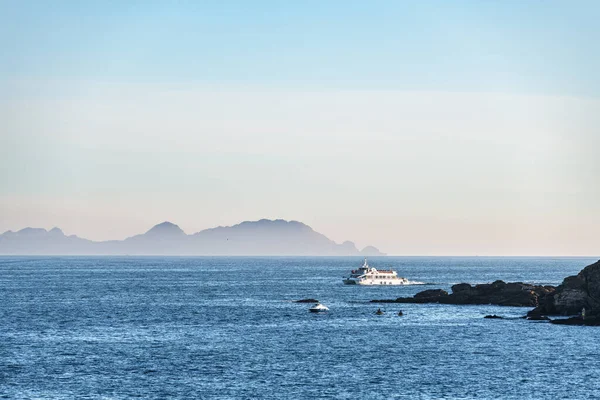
{"points": [[263, 237]]}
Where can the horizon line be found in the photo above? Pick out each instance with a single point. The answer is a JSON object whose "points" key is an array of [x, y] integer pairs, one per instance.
{"points": [[299, 256]]}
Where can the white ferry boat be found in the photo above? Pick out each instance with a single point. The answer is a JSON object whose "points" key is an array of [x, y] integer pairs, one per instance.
{"points": [[367, 275]]}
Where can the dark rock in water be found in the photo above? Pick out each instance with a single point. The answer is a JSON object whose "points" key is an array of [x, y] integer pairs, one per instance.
{"points": [[538, 318], [426, 296], [587, 321], [515, 294], [431, 293], [574, 294], [307, 301], [494, 316], [461, 287]]}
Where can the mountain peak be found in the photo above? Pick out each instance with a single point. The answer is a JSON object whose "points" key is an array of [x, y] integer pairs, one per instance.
{"points": [[275, 222], [56, 231], [165, 228], [371, 251], [349, 247], [32, 231]]}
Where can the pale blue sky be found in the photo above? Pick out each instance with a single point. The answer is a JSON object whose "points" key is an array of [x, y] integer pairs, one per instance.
{"points": [[523, 46], [433, 127]]}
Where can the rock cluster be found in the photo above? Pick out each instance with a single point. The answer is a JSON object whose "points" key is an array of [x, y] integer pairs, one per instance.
{"points": [[573, 295], [516, 294], [588, 321], [578, 296], [306, 301]]}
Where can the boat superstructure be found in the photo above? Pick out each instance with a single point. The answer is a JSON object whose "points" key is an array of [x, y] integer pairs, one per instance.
{"points": [[367, 275]]}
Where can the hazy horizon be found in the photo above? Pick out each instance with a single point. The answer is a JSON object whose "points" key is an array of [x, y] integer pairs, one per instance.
{"points": [[191, 233], [422, 129]]}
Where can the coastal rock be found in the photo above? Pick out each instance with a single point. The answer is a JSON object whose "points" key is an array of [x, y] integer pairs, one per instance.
{"points": [[426, 296], [431, 294], [307, 301], [516, 294], [493, 316], [574, 294], [587, 321], [538, 318], [461, 287]]}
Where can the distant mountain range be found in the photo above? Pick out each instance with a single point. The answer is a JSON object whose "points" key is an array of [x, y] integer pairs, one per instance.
{"points": [[264, 237]]}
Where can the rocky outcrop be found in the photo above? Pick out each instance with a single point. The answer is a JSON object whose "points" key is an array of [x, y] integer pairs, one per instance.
{"points": [[578, 296], [587, 321], [538, 318], [574, 294], [516, 294], [306, 301], [427, 295]]}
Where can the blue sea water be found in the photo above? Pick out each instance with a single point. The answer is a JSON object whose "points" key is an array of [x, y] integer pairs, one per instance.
{"points": [[226, 328]]}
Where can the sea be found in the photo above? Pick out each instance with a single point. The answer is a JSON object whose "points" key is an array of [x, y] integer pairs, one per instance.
{"points": [[228, 328]]}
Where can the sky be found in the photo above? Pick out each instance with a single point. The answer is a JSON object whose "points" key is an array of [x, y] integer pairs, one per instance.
{"points": [[423, 128]]}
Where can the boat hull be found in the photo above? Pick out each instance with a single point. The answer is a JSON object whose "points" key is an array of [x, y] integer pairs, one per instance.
{"points": [[369, 282]]}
